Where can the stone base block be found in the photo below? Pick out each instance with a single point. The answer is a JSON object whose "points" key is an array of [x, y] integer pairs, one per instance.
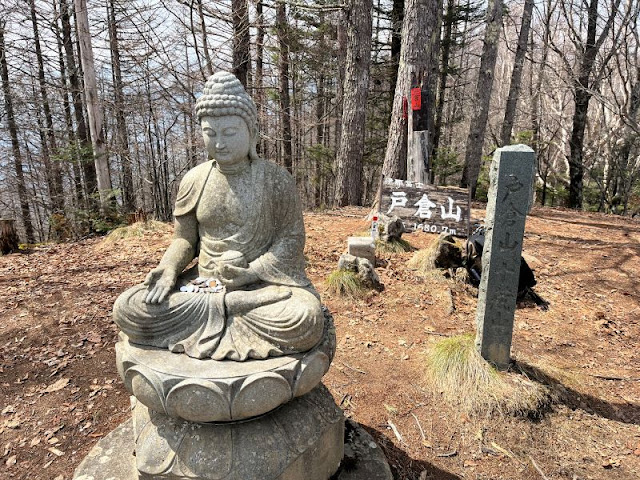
{"points": [[113, 458], [363, 247], [303, 439]]}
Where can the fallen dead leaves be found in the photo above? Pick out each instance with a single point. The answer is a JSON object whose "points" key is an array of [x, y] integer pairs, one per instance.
{"points": [[56, 386], [59, 329]]}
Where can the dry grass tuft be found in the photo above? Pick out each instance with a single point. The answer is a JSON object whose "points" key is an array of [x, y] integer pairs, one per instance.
{"points": [[346, 283], [137, 229], [395, 245], [441, 253], [455, 368], [423, 260]]}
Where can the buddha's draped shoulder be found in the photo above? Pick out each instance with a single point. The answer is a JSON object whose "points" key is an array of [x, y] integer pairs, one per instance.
{"points": [[191, 188]]}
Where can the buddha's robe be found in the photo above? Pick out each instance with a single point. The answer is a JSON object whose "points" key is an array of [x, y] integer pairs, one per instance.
{"points": [[268, 229]]}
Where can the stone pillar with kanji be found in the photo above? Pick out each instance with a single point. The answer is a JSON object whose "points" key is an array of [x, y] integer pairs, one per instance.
{"points": [[511, 176]]}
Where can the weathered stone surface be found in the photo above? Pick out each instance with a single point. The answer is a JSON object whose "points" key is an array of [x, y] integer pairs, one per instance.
{"points": [[363, 247], [112, 458], [218, 391], [393, 229], [302, 440], [446, 254], [511, 176], [363, 459], [363, 268], [241, 216]]}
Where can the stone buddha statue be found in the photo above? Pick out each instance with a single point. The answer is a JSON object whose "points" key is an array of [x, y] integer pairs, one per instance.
{"points": [[241, 217], [225, 359]]}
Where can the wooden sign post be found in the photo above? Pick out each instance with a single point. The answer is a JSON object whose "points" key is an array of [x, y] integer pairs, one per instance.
{"points": [[426, 207], [418, 136]]}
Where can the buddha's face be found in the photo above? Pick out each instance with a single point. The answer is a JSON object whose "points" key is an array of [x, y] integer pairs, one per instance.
{"points": [[227, 139]]}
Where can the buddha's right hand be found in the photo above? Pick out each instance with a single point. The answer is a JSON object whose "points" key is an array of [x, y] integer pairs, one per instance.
{"points": [[159, 283], [243, 301]]}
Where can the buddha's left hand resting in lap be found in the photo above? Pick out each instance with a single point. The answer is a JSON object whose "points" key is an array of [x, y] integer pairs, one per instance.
{"points": [[240, 215]]}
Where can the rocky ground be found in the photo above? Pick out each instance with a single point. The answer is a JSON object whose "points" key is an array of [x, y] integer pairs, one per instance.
{"points": [[60, 393]]}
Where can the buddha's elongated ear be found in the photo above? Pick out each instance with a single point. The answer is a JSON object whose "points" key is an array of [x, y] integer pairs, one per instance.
{"points": [[253, 153]]}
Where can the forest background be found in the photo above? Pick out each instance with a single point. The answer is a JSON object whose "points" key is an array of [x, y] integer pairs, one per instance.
{"points": [[331, 81]]}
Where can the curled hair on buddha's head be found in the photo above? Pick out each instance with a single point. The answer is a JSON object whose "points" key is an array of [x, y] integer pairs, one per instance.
{"points": [[223, 95]]}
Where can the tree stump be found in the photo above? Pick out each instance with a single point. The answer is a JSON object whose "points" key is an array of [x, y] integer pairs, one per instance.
{"points": [[8, 236]]}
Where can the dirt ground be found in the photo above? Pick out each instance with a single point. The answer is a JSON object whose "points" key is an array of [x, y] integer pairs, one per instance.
{"points": [[60, 393]]}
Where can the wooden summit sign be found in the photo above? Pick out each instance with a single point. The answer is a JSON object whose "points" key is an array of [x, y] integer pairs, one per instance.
{"points": [[426, 207]]}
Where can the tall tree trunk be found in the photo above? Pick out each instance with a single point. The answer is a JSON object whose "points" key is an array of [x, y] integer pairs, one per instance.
{"points": [[72, 140], [93, 103], [418, 58], [86, 152], [582, 96], [535, 97], [447, 43], [482, 97], [258, 85], [397, 18], [25, 209], [425, 77], [53, 173], [320, 138], [285, 102], [203, 37], [128, 194], [241, 57], [356, 89], [341, 37], [516, 74]]}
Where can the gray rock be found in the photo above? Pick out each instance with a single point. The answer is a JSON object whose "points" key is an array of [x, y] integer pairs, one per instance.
{"points": [[363, 268], [368, 276], [348, 262], [393, 229]]}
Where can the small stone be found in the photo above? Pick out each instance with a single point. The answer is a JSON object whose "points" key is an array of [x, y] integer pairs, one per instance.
{"points": [[9, 409]]}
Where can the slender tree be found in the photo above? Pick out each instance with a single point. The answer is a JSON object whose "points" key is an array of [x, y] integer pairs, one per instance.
{"points": [[25, 208], [285, 101], [584, 83], [482, 97], [52, 167], [516, 74], [241, 57], [93, 103], [356, 89], [128, 194], [85, 151]]}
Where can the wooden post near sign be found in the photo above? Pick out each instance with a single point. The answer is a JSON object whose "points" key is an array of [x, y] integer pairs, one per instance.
{"points": [[418, 125]]}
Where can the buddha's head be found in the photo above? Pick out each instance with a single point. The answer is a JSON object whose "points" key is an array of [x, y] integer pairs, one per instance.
{"points": [[228, 118]]}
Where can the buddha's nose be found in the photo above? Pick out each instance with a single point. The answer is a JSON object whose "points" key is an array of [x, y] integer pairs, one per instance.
{"points": [[219, 145]]}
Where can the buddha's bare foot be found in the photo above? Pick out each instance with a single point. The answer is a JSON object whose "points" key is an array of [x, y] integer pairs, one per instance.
{"points": [[240, 301]]}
